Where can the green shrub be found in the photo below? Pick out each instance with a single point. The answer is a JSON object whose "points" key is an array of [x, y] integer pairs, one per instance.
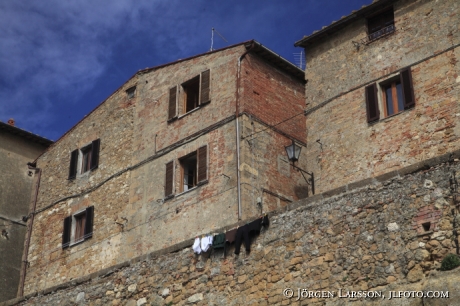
{"points": [[450, 262]]}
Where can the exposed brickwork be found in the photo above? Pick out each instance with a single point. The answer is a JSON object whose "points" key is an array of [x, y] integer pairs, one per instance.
{"points": [[132, 216], [350, 149]]}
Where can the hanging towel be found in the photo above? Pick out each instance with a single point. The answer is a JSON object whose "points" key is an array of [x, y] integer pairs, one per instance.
{"points": [[196, 246]]}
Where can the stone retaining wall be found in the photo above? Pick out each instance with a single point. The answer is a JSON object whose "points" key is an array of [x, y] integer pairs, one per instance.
{"points": [[371, 236]]}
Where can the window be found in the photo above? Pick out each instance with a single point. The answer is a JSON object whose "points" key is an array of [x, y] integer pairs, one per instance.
{"points": [[393, 96], [189, 169], [78, 227], [131, 92], [190, 95], [380, 25], [193, 171], [84, 159]]}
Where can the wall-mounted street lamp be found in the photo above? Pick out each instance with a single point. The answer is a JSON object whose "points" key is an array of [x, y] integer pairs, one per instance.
{"points": [[293, 153]]}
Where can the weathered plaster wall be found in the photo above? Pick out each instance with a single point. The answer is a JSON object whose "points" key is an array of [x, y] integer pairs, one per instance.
{"points": [[15, 190], [350, 149], [366, 236]]}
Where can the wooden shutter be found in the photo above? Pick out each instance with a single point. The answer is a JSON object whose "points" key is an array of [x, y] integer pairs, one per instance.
{"points": [[372, 104], [408, 88], [172, 110], [169, 178], [66, 232], [95, 154], [205, 87], [89, 222], [73, 164], [202, 164]]}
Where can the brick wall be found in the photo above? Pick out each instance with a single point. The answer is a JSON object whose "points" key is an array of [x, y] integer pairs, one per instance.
{"points": [[132, 216], [350, 149]]}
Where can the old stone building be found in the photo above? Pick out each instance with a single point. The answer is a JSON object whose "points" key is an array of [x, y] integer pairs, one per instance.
{"points": [[180, 150], [17, 148], [382, 90], [197, 146]]}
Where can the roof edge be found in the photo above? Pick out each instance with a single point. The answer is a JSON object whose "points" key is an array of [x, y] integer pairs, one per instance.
{"points": [[25, 134], [337, 25]]}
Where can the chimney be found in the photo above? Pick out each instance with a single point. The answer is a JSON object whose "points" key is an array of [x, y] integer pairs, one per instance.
{"points": [[11, 122]]}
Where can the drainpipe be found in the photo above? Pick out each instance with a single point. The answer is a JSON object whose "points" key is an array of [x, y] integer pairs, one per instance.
{"points": [[32, 166], [238, 178]]}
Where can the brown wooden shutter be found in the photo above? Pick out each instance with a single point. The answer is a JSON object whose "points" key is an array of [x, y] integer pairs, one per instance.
{"points": [[73, 164], [89, 222], [66, 232], [202, 163], [172, 110], [169, 178], [408, 88], [372, 104], [205, 87], [95, 154]]}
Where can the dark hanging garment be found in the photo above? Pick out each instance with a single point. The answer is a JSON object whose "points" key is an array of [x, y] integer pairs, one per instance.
{"points": [[242, 234], [218, 241], [230, 236]]}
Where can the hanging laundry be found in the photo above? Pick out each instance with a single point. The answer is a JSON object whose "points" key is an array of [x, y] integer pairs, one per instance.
{"points": [[197, 246], [218, 241], [244, 233], [206, 242]]}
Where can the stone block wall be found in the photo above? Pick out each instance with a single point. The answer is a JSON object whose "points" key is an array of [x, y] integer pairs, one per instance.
{"points": [[106, 188], [349, 148], [359, 238], [132, 215]]}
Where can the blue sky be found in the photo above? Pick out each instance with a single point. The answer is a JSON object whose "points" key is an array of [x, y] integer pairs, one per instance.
{"points": [[60, 59]]}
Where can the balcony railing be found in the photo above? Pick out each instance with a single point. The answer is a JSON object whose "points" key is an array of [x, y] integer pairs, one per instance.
{"points": [[379, 34]]}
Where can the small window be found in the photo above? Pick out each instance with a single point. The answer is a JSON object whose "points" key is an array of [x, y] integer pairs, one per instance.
{"points": [[84, 159], [78, 227], [189, 169], [191, 95], [131, 92], [392, 96], [380, 25], [193, 171]]}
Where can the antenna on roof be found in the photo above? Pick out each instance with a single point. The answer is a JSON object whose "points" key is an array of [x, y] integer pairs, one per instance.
{"points": [[212, 37], [299, 60]]}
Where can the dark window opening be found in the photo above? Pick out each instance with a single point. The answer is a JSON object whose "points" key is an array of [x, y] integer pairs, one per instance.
{"points": [[189, 171], [80, 221], [426, 226], [131, 92], [78, 227], [381, 25], [191, 94], [86, 159]]}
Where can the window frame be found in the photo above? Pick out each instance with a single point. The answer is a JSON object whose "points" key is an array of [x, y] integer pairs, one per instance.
{"points": [[131, 92], [375, 96], [200, 175], [75, 231], [177, 103], [77, 159], [386, 27]]}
